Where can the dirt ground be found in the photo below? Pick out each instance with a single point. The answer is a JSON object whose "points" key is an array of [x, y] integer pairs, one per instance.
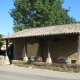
{"points": [[54, 66]]}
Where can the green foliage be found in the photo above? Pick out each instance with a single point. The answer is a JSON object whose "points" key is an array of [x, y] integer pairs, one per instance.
{"points": [[39, 13], [21, 65], [57, 69], [1, 41], [18, 27]]}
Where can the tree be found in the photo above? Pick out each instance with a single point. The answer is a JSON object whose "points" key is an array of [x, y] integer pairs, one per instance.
{"points": [[1, 41], [39, 13], [18, 27]]}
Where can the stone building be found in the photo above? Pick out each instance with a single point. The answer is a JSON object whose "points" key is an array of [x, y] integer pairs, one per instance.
{"points": [[48, 42]]}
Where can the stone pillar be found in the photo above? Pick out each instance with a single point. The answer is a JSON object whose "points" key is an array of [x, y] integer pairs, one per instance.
{"points": [[25, 58], [6, 59], [78, 61], [49, 60]]}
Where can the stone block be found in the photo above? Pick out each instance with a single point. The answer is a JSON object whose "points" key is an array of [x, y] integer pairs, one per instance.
{"points": [[1, 59]]}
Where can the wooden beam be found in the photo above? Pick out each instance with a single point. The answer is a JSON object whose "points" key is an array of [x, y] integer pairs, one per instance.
{"points": [[25, 47], [6, 59], [6, 47], [79, 47], [49, 40], [49, 60], [49, 50], [25, 58]]}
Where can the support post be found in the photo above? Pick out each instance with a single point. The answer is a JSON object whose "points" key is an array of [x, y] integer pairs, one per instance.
{"points": [[49, 60], [14, 49], [25, 58], [6, 59], [49, 49], [78, 61]]}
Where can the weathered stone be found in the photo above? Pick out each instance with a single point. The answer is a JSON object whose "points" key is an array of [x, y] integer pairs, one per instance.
{"points": [[1, 59], [6, 60]]}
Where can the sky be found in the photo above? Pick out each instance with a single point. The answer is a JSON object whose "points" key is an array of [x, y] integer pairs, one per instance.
{"points": [[6, 21]]}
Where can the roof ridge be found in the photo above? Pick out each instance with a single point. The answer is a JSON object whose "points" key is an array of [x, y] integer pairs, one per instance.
{"points": [[49, 26]]}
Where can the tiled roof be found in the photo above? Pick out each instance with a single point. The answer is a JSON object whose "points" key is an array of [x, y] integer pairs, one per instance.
{"points": [[49, 30]]}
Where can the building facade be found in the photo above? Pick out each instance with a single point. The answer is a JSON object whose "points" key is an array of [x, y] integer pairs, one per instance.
{"points": [[47, 42]]}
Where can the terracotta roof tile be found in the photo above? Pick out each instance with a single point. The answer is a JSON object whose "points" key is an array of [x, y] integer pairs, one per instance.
{"points": [[50, 30]]}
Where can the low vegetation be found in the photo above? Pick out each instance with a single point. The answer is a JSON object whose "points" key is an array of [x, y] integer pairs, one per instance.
{"points": [[55, 66]]}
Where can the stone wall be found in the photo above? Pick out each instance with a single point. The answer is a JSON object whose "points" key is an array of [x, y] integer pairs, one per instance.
{"points": [[18, 49], [67, 48], [33, 48]]}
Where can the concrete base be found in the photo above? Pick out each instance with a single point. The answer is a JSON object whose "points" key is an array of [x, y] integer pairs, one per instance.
{"points": [[78, 61], [6, 60], [1, 59], [25, 59], [48, 60]]}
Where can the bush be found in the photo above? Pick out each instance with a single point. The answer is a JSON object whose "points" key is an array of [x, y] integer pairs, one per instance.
{"points": [[1, 41]]}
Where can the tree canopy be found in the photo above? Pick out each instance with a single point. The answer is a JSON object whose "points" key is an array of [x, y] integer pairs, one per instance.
{"points": [[39, 13]]}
